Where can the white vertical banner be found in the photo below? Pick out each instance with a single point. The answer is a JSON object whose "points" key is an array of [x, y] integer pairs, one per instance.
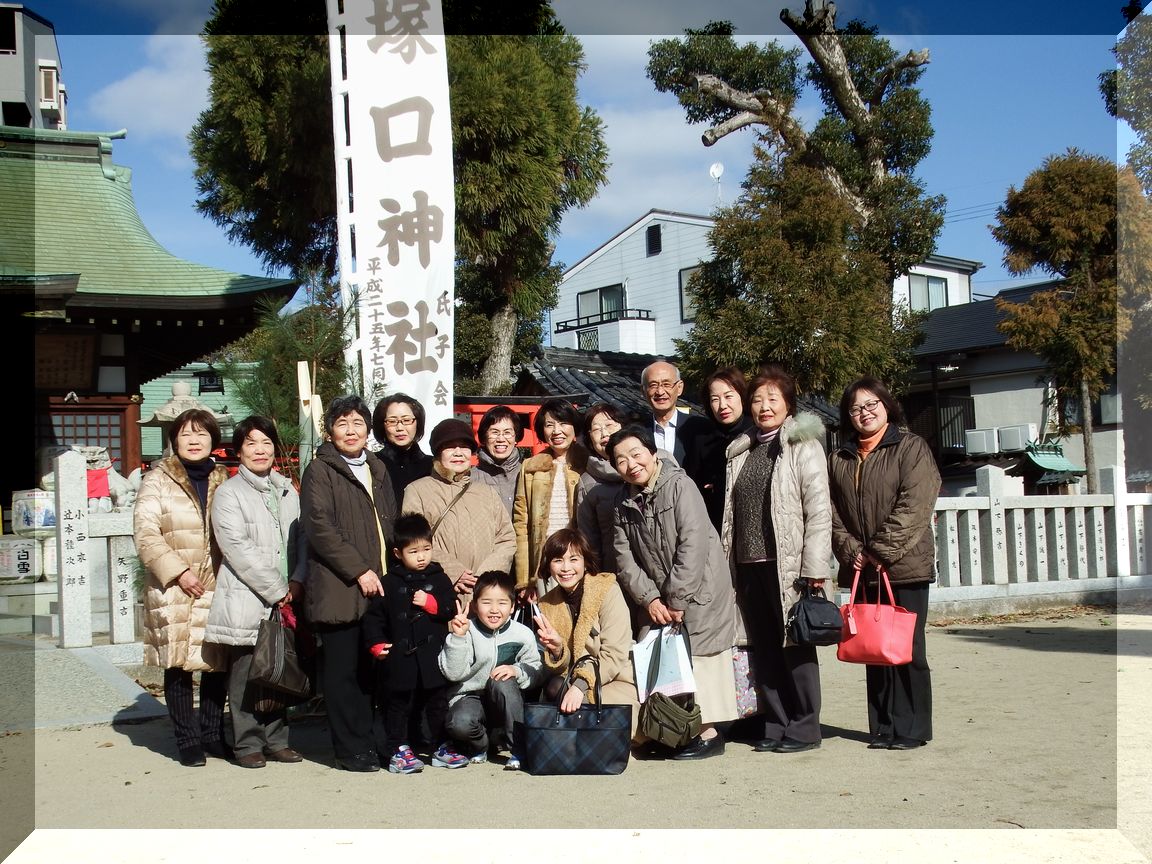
{"points": [[395, 194]]}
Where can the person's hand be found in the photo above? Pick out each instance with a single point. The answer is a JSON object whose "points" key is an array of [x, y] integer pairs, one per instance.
{"points": [[466, 582], [459, 625], [419, 598], [190, 584], [503, 673], [380, 650], [295, 592], [527, 595], [548, 636], [284, 601], [659, 613], [370, 583], [572, 700], [677, 616]]}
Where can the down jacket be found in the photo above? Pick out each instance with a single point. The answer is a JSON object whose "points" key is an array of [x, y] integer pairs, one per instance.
{"points": [[343, 526], [666, 547], [173, 535], [250, 582], [801, 506], [885, 504], [533, 500], [476, 534]]}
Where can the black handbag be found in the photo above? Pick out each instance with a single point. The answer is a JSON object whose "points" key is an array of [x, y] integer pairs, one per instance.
{"points": [[592, 740], [671, 720], [813, 619], [275, 663]]}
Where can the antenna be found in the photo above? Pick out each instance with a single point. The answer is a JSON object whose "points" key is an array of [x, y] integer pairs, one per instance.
{"points": [[715, 171]]}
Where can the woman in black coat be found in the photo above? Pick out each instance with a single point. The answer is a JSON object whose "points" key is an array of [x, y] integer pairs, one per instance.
{"points": [[347, 508], [723, 396], [398, 426]]}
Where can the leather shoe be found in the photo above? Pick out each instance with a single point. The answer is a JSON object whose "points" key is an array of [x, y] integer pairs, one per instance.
{"points": [[192, 757], [766, 745], [902, 743], [881, 741], [790, 745], [251, 760], [287, 754], [701, 748], [364, 764], [220, 750]]}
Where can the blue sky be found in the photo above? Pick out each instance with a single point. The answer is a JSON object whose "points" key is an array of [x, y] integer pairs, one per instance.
{"points": [[1001, 103]]}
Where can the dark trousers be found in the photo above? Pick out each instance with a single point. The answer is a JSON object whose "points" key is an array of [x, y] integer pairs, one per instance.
{"points": [[788, 678], [252, 731], [499, 706], [347, 675], [404, 711], [900, 697], [194, 729]]}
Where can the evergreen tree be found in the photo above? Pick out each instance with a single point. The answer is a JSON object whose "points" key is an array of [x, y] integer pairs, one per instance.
{"points": [[839, 206]]}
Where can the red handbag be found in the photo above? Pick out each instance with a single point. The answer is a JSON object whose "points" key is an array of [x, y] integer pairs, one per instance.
{"points": [[879, 633]]}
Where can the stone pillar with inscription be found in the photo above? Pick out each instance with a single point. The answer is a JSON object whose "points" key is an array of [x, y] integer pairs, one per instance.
{"points": [[74, 594]]}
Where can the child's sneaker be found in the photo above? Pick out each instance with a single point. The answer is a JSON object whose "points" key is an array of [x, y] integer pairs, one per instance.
{"points": [[512, 764], [446, 757], [405, 762], [480, 758]]}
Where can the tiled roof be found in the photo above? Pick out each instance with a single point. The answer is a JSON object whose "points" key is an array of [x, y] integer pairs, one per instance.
{"points": [[971, 326], [66, 209]]}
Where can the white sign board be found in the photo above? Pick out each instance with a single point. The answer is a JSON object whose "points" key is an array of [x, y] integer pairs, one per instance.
{"points": [[395, 205]]}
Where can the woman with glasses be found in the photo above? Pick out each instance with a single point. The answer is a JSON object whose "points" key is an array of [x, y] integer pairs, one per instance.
{"points": [[398, 426], [546, 491], [777, 530], [600, 483], [884, 484], [498, 464]]}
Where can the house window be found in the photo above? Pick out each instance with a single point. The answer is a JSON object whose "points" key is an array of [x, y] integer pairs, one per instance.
{"points": [[7, 31], [600, 301], [653, 239], [687, 301], [88, 429], [1105, 409], [588, 340], [49, 87], [927, 292]]}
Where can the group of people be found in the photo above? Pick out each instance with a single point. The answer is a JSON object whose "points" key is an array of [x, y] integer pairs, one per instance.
{"points": [[447, 587]]}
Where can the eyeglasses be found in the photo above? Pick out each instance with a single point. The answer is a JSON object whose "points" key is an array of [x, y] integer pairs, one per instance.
{"points": [[655, 386], [509, 434], [607, 427], [397, 422], [869, 406]]}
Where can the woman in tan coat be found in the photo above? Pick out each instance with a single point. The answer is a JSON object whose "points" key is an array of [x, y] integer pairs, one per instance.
{"points": [[546, 491], [471, 532], [584, 614], [174, 542]]}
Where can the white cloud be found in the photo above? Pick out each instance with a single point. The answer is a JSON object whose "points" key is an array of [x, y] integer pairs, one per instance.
{"points": [[160, 101]]}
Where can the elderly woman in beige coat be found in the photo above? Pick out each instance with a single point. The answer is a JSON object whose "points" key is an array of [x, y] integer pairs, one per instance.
{"points": [[585, 614], [777, 528], [471, 531], [173, 533]]}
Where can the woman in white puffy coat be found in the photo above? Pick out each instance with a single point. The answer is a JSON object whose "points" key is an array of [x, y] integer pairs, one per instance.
{"points": [[776, 529], [255, 519]]}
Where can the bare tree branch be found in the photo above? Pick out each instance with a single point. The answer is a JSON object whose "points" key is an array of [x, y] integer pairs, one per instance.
{"points": [[758, 107], [909, 61]]}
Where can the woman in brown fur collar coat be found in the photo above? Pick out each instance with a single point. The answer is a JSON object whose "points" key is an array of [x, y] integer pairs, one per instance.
{"points": [[584, 614]]}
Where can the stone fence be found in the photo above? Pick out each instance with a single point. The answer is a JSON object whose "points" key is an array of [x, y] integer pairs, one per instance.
{"points": [[997, 550]]}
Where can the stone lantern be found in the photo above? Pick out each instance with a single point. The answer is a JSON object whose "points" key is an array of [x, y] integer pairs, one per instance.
{"points": [[182, 399]]}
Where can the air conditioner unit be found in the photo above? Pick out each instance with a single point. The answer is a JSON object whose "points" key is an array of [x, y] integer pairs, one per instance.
{"points": [[979, 442], [1013, 439]]}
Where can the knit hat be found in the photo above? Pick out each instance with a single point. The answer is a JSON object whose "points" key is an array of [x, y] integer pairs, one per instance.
{"points": [[450, 431]]}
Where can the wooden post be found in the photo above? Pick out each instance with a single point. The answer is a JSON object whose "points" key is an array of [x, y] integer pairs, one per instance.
{"points": [[74, 593], [1116, 522], [993, 526]]}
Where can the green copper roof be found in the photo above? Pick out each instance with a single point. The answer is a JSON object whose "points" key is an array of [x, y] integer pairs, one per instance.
{"points": [[66, 209], [1049, 458]]}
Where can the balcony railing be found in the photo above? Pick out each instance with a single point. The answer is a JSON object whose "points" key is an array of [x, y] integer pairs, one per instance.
{"points": [[604, 318]]}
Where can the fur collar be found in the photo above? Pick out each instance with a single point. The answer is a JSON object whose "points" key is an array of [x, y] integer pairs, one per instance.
{"points": [[797, 428], [577, 458], [174, 468], [575, 633]]}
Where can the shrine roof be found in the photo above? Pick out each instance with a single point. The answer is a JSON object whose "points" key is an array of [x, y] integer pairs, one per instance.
{"points": [[65, 208]]}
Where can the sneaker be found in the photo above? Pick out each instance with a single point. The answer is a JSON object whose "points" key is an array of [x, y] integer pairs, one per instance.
{"points": [[405, 762], [446, 757], [513, 764], [480, 758]]}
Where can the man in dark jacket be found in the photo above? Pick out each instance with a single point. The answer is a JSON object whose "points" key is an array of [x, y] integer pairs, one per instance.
{"points": [[672, 429]]}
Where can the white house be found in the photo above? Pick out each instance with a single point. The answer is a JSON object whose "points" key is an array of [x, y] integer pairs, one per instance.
{"points": [[32, 92], [629, 294]]}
